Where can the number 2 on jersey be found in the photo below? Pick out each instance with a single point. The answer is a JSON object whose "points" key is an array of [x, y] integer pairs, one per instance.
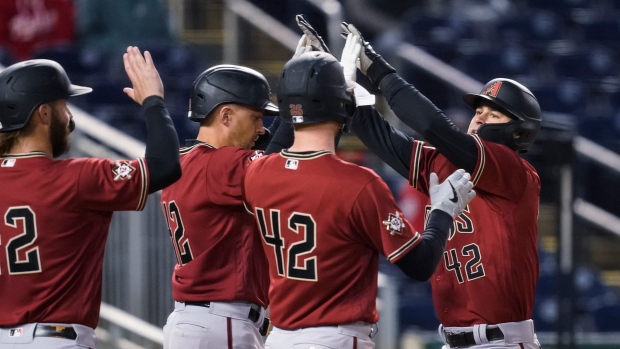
{"points": [[297, 223], [32, 262], [177, 235]]}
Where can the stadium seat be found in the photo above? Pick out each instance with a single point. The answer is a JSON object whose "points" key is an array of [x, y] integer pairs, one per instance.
{"points": [[593, 63], [605, 32], [79, 63], [607, 318]]}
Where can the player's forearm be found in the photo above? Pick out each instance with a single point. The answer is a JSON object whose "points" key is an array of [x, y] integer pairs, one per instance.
{"points": [[419, 113], [392, 146], [162, 145], [421, 262]]}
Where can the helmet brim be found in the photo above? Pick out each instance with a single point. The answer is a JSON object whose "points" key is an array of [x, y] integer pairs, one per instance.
{"points": [[270, 109], [76, 90]]}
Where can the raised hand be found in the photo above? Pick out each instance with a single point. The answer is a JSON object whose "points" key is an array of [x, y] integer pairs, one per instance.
{"points": [[313, 38], [368, 56], [143, 75], [350, 57], [453, 194]]}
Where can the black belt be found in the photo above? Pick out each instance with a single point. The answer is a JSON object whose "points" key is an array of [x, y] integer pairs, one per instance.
{"points": [[466, 339], [58, 331], [254, 314]]}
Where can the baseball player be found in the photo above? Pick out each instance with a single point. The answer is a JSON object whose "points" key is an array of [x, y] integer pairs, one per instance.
{"points": [[484, 289], [324, 221], [220, 281], [56, 213]]}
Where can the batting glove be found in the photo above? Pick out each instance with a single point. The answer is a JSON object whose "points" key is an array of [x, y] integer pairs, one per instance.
{"points": [[302, 46], [453, 195], [370, 62], [349, 59], [313, 39]]}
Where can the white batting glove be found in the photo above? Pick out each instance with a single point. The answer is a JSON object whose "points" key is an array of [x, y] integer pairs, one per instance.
{"points": [[361, 95], [349, 62], [350, 54], [453, 195], [302, 46], [364, 60]]}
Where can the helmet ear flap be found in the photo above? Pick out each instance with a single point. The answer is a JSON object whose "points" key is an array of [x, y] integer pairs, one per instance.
{"points": [[501, 133]]}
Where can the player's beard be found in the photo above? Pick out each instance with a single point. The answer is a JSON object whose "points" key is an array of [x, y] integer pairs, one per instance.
{"points": [[59, 135]]}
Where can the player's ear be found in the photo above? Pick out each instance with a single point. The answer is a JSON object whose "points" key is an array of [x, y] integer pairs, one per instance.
{"points": [[44, 112], [226, 114]]}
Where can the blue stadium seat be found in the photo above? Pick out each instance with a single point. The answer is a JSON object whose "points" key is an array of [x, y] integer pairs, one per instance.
{"points": [[607, 318], [79, 63], [593, 63], [439, 35], [562, 96], [604, 31], [535, 30], [416, 308], [6, 58]]}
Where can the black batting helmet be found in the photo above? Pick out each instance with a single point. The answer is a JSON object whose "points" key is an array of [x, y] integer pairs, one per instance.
{"points": [[312, 89], [517, 102], [228, 83], [26, 85]]}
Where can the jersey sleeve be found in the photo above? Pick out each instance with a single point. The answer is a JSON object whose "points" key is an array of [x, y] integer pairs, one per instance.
{"points": [[381, 223], [499, 170], [225, 174], [113, 185]]}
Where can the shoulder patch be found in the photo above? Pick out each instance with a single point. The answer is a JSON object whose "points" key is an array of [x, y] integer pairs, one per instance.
{"points": [[394, 224], [122, 170], [257, 154]]}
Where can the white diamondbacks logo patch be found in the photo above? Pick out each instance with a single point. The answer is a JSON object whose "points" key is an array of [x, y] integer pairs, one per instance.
{"points": [[394, 224], [257, 154], [122, 170]]}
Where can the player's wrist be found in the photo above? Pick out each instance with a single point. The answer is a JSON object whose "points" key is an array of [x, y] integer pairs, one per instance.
{"points": [[378, 70]]}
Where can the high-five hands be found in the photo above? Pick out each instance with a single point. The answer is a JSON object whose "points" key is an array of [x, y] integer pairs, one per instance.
{"points": [[313, 39], [453, 195], [349, 62], [367, 56]]}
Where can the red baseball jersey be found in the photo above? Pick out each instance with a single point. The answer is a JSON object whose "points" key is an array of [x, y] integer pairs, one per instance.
{"points": [[323, 223], [219, 250], [55, 219], [496, 235]]}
